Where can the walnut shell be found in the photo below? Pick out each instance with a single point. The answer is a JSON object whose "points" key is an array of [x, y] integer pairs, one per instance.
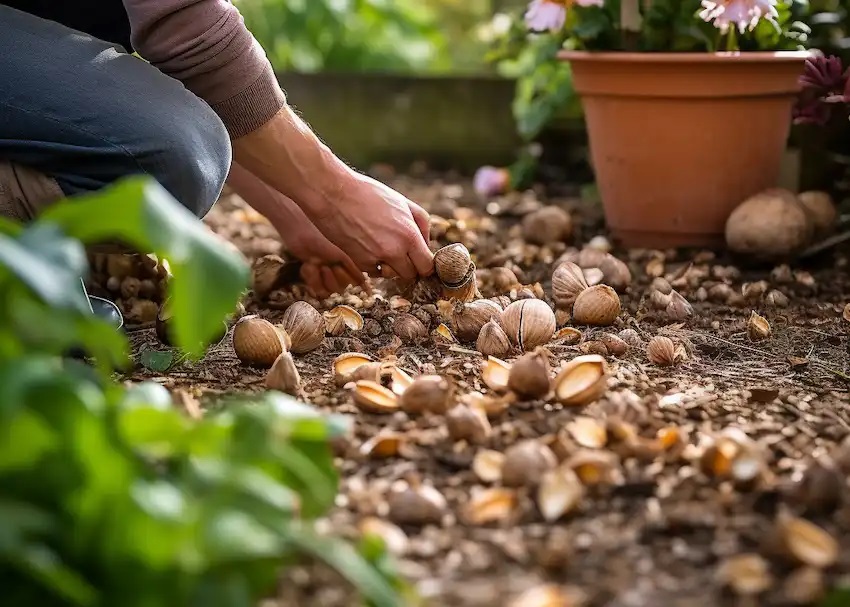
{"points": [[529, 323], [492, 340], [305, 326], [467, 423], [409, 328], [427, 394], [529, 375], [469, 318], [661, 350], [598, 305], [453, 265], [526, 462], [567, 282], [257, 342], [547, 225]]}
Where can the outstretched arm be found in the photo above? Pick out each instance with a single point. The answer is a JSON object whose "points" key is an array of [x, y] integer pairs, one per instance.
{"points": [[205, 44]]}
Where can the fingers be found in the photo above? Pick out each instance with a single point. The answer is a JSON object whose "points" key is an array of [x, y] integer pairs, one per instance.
{"points": [[349, 268], [420, 256], [420, 216], [312, 277], [403, 267], [329, 279]]}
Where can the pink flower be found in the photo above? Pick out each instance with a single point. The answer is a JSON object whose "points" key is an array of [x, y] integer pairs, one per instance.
{"points": [[546, 14], [742, 14], [489, 181]]}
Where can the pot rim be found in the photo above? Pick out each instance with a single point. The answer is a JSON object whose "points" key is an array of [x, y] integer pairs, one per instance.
{"points": [[719, 57]]}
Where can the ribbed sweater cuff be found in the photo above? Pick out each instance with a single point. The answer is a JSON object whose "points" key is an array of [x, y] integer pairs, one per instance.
{"points": [[253, 107]]}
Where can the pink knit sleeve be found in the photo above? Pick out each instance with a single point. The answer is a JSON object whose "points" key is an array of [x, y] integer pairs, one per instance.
{"points": [[205, 45]]}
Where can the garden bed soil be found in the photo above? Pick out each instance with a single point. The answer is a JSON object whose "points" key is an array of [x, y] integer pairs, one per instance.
{"points": [[659, 534]]}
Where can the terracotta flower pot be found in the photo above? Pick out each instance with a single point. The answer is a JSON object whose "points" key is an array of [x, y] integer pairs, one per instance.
{"points": [[678, 140]]}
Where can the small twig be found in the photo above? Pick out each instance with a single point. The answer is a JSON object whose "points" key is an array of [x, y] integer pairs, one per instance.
{"points": [[189, 402], [733, 344], [461, 350]]}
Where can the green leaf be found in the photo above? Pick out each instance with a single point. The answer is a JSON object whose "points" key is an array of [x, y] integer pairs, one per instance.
{"points": [[26, 438], [342, 557], [157, 360], [44, 564], [49, 263], [208, 277], [840, 597]]}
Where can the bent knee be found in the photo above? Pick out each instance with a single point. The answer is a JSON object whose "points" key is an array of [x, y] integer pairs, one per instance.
{"points": [[194, 160]]}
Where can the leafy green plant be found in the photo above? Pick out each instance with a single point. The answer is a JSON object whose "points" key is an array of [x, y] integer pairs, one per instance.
{"points": [[109, 495]]}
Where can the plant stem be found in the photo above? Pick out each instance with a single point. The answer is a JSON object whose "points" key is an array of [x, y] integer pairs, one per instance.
{"points": [[732, 40]]}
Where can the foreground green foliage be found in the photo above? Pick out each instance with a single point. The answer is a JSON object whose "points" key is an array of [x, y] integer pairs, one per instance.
{"points": [[109, 495]]}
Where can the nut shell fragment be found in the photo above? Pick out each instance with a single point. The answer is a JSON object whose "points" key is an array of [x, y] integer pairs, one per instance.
{"points": [[284, 376], [559, 493], [614, 344], [745, 574], [490, 505], [582, 380], [341, 318], [807, 543], [758, 328], [661, 351], [372, 397], [384, 444], [496, 373], [678, 308], [348, 367], [487, 465], [587, 432], [394, 538]]}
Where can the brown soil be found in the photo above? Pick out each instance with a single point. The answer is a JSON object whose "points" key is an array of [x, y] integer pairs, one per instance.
{"points": [[657, 534]]}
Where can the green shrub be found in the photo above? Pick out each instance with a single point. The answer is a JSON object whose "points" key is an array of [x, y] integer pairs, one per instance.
{"points": [[109, 495]]}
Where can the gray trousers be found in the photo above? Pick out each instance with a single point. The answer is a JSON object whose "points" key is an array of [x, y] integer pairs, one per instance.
{"points": [[86, 113]]}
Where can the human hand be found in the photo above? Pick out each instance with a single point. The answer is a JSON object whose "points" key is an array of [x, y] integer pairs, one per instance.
{"points": [[326, 269], [378, 228]]}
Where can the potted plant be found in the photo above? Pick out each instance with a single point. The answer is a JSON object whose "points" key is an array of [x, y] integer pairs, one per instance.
{"points": [[687, 104]]}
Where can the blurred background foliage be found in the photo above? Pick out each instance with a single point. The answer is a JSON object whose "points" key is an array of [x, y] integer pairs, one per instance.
{"points": [[398, 36]]}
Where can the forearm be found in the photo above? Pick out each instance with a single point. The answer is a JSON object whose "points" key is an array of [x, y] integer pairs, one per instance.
{"points": [[289, 157], [261, 197]]}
